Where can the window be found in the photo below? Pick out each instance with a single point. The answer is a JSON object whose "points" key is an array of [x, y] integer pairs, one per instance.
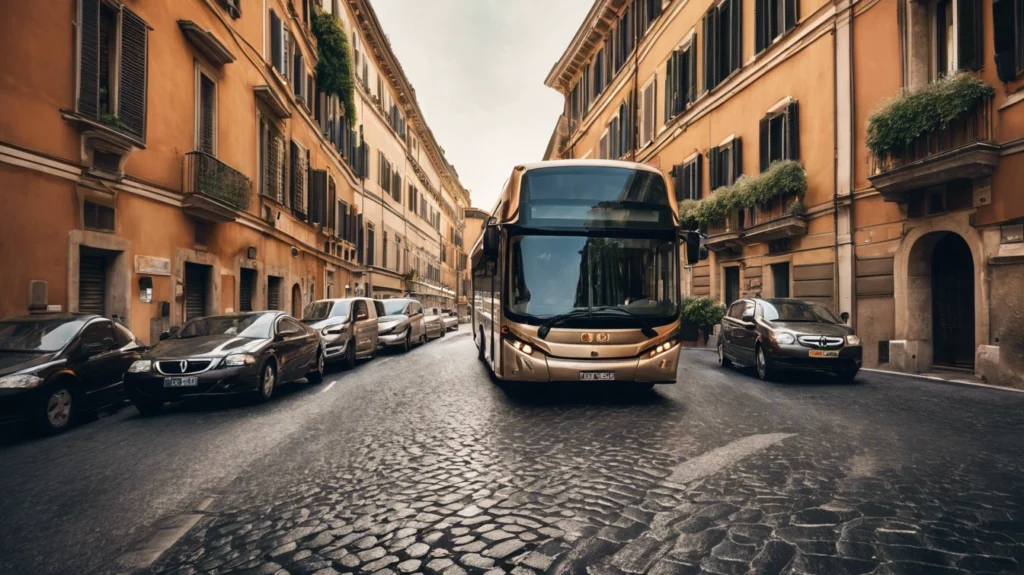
{"points": [[288, 325], [299, 77], [780, 136], [649, 115], [360, 309], [1008, 29], [772, 19], [112, 67], [370, 244], [647, 12], [299, 179], [272, 153], [725, 164], [604, 149], [780, 279], [101, 333], [722, 42], [681, 79], [98, 217], [206, 113], [688, 179], [280, 45]]}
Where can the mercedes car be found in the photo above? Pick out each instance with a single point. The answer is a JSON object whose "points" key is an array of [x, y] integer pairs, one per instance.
{"points": [[402, 324], [55, 367], [776, 335], [347, 326], [238, 354]]}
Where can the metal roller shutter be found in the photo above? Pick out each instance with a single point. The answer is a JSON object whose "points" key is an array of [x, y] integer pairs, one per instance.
{"points": [[245, 288], [274, 293], [92, 282], [195, 290]]}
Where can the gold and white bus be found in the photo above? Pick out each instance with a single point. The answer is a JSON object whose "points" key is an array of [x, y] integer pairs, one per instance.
{"points": [[576, 275]]}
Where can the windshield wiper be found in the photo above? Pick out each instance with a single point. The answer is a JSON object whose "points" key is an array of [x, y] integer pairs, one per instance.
{"points": [[545, 328]]}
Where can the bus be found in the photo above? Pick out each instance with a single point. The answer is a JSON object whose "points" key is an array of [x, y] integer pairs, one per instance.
{"points": [[576, 275]]}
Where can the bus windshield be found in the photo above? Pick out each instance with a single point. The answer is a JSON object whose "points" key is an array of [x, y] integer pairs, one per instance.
{"points": [[552, 275]]}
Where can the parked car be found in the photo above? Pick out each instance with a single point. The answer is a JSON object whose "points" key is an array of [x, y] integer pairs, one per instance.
{"points": [[434, 322], [244, 353], [347, 326], [774, 335], [402, 323], [451, 320], [56, 367]]}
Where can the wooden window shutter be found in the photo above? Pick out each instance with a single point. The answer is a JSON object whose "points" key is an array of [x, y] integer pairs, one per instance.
{"points": [[737, 159], [89, 55], [277, 166], [691, 71], [332, 203], [793, 131], [709, 49], [207, 114], [790, 8], [670, 86], [969, 38], [132, 95], [761, 18], [735, 35], [317, 197], [276, 47], [1004, 32], [698, 180], [286, 49], [714, 171], [763, 143], [679, 180]]}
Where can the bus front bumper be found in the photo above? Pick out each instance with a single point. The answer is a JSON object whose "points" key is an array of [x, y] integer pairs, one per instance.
{"points": [[519, 366]]}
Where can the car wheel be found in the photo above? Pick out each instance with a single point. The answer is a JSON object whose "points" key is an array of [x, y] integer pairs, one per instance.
{"points": [[317, 375], [267, 382], [763, 371], [350, 355], [147, 408], [408, 343], [724, 361], [444, 331], [58, 410]]}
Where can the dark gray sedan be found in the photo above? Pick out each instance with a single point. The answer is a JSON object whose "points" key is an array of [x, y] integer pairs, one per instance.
{"points": [[774, 335]]}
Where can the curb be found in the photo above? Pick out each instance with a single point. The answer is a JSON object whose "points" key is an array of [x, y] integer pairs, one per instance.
{"points": [[942, 380]]}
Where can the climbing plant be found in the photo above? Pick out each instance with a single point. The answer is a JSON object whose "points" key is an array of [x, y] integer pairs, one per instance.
{"points": [[334, 68]]}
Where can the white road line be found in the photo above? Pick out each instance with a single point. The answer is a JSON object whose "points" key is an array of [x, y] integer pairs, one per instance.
{"points": [[328, 388], [942, 380], [722, 457]]}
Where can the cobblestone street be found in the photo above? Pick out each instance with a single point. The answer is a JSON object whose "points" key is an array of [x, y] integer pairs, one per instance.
{"points": [[419, 463]]}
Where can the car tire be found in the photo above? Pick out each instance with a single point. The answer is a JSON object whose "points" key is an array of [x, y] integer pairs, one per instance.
{"points": [[57, 409], [148, 408], [847, 376], [350, 355], [764, 371], [444, 331], [722, 360], [267, 383], [407, 345], [317, 375]]}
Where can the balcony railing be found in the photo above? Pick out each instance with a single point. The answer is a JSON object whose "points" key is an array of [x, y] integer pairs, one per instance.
{"points": [[974, 126], [211, 178]]}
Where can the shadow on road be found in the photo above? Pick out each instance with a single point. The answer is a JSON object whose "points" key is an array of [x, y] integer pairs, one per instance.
{"points": [[572, 393]]}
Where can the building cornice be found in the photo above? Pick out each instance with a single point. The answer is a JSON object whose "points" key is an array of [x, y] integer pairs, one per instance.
{"points": [[591, 32]]}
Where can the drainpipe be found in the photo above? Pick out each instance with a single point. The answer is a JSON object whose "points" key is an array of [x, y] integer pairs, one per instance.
{"points": [[636, 81]]}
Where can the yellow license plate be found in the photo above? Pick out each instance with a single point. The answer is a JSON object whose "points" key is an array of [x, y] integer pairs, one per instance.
{"points": [[823, 353]]}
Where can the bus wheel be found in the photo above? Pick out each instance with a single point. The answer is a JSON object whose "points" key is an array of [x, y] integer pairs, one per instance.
{"points": [[480, 347]]}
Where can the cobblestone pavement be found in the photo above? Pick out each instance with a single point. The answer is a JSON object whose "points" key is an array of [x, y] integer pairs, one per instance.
{"points": [[422, 465]]}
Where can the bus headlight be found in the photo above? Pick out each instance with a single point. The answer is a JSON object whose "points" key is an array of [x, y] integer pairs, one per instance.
{"points": [[523, 347], [662, 348]]}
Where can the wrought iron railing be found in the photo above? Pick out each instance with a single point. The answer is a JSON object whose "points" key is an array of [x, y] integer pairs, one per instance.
{"points": [[206, 175], [972, 127]]}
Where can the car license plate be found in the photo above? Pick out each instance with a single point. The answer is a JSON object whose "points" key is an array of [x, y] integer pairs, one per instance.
{"points": [[823, 353], [597, 376], [181, 381]]}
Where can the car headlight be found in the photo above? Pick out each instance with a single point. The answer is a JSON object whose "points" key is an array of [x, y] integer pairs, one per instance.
{"points": [[333, 330], [852, 340], [387, 328], [141, 366], [661, 348], [239, 360], [20, 381], [784, 338]]}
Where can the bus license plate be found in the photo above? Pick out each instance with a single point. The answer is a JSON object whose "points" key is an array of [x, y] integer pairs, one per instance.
{"points": [[181, 381], [823, 353], [597, 376]]}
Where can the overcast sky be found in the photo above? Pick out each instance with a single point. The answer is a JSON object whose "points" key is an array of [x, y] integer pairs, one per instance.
{"points": [[478, 67]]}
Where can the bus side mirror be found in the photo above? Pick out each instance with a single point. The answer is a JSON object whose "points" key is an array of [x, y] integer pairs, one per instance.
{"points": [[492, 238], [696, 251]]}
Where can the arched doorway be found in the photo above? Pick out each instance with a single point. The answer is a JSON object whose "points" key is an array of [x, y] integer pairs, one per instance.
{"points": [[296, 301], [952, 303]]}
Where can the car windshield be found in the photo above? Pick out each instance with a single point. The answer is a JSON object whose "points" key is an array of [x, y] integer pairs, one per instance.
{"points": [[553, 275], [394, 306], [38, 336], [321, 310], [254, 326], [798, 311]]}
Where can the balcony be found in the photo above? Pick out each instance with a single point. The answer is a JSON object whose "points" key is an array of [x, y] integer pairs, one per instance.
{"points": [[725, 234], [962, 150], [214, 191], [774, 221]]}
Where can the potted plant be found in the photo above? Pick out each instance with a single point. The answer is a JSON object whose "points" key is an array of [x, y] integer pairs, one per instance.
{"points": [[701, 314]]}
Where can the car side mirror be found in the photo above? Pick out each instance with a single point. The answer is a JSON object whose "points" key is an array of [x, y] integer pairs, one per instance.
{"points": [[165, 335], [747, 317], [845, 316], [361, 316], [492, 238]]}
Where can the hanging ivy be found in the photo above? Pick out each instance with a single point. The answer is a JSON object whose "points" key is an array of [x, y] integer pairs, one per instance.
{"points": [[334, 68]]}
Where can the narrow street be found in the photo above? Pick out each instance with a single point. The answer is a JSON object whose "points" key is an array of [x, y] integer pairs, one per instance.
{"points": [[419, 463]]}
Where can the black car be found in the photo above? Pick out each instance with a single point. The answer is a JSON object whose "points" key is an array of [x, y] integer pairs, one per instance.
{"points": [[56, 367], [775, 335], [245, 353]]}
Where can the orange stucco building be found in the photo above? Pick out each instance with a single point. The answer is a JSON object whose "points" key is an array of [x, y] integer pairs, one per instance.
{"points": [[923, 248], [163, 160]]}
